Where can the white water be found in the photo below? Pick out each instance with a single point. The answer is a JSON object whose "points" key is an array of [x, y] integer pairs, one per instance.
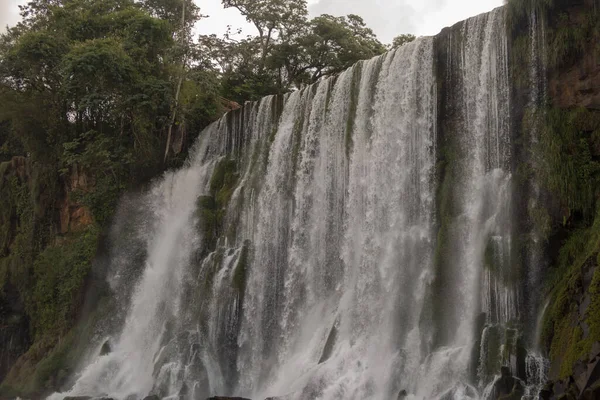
{"points": [[336, 209]]}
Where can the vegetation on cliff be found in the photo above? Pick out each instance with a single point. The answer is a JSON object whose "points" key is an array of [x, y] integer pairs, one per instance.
{"points": [[566, 163]]}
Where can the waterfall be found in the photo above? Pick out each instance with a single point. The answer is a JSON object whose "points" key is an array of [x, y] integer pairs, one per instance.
{"points": [[350, 240]]}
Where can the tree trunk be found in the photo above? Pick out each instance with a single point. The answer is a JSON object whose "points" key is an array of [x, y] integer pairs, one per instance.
{"points": [[179, 83]]}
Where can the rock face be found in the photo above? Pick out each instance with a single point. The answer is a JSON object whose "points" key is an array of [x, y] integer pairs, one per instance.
{"points": [[507, 387], [583, 384], [73, 216], [579, 84], [106, 349]]}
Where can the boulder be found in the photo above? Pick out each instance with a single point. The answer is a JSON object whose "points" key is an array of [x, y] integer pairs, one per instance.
{"points": [[545, 394], [504, 385], [106, 349], [507, 387], [402, 395]]}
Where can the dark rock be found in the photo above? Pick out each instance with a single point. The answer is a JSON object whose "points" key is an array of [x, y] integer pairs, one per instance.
{"points": [[545, 394], [516, 393], [328, 349], [402, 395], [507, 387], [232, 398], [106, 349], [592, 393], [77, 398], [592, 375], [521, 359], [152, 397], [184, 390], [580, 374], [585, 329], [595, 350], [504, 385]]}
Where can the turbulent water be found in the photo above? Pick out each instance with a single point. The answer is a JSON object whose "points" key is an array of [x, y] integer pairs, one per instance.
{"points": [[367, 246]]}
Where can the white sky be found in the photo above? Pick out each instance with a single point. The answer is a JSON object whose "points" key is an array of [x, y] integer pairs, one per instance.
{"points": [[9, 12], [387, 18]]}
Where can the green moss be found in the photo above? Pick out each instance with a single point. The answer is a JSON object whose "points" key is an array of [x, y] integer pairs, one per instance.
{"points": [[211, 210], [48, 364], [568, 35], [568, 39], [569, 169], [561, 330], [520, 56], [60, 274], [519, 9], [593, 313]]}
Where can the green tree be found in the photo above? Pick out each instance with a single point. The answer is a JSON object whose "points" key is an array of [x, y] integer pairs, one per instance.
{"points": [[95, 87], [289, 51], [273, 19], [401, 40]]}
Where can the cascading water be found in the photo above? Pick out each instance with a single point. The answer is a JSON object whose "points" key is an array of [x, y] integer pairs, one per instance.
{"points": [[315, 248]]}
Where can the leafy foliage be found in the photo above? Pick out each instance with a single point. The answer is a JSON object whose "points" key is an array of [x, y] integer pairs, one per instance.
{"points": [[87, 96], [289, 51], [401, 40]]}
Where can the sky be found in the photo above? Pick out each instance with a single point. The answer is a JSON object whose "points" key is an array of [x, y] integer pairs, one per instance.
{"points": [[9, 12], [388, 18]]}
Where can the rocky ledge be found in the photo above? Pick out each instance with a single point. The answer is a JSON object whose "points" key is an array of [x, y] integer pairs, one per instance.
{"points": [[584, 384]]}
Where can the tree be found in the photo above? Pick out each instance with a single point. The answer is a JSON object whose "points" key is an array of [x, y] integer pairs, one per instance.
{"points": [[401, 40], [328, 46], [93, 87], [273, 19], [289, 51]]}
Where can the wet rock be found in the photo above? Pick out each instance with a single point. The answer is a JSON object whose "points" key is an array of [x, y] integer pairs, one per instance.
{"points": [[545, 394], [402, 395], [184, 390], [592, 374], [234, 398], [328, 349], [507, 387], [592, 393], [152, 397], [504, 385], [595, 350], [106, 349], [460, 391], [77, 398]]}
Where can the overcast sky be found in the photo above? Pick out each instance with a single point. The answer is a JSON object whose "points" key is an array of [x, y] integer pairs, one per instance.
{"points": [[387, 17]]}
